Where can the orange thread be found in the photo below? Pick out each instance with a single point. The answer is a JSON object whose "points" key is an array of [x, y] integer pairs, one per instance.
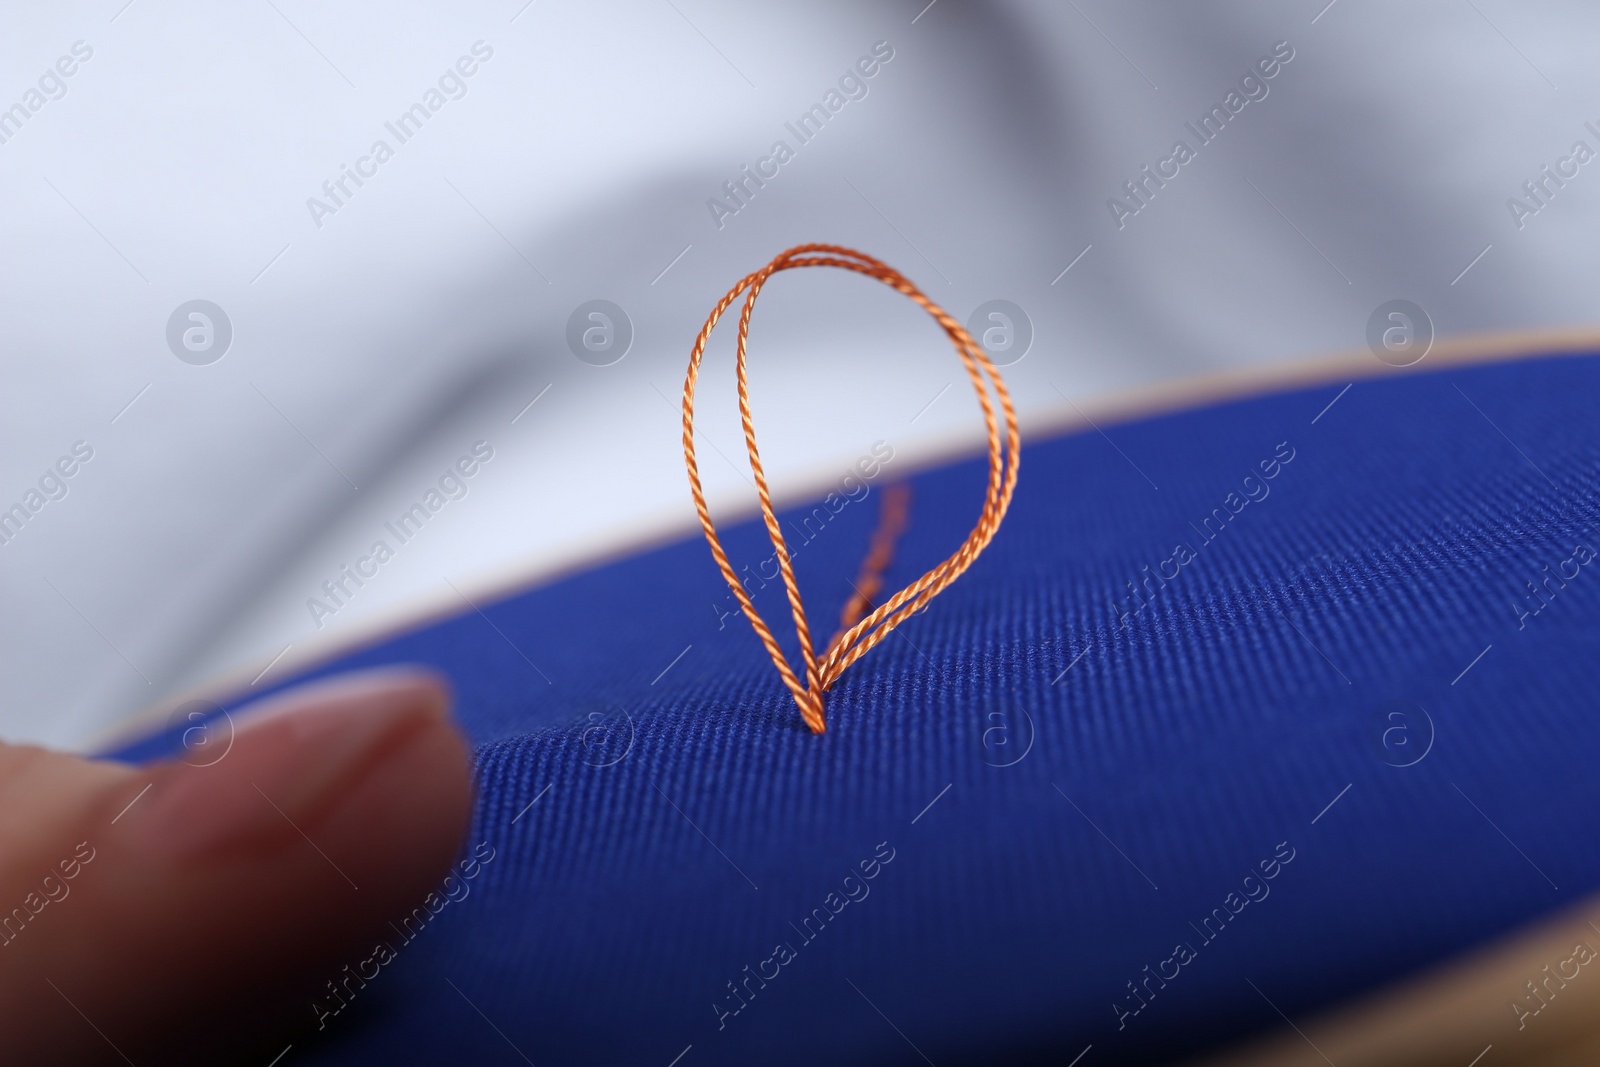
{"points": [[865, 633], [892, 518]]}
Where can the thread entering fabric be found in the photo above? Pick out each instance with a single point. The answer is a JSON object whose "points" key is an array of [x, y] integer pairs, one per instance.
{"points": [[859, 635], [892, 519]]}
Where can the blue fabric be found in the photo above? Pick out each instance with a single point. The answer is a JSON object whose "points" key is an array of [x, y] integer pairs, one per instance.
{"points": [[1297, 660]]}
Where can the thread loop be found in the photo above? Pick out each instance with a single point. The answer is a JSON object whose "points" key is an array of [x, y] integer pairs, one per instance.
{"points": [[859, 635]]}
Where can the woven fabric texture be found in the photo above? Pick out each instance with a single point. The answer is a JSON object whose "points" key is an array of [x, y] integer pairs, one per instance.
{"points": [[1340, 737]]}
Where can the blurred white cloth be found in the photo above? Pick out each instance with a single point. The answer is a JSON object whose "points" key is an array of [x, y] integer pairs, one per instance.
{"points": [[375, 344]]}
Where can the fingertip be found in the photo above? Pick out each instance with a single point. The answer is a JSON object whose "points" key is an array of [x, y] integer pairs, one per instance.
{"points": [[338, 807], [297, 757]]}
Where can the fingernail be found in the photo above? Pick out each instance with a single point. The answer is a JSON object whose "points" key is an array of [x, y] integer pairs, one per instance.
{"points": [[292, 759]]}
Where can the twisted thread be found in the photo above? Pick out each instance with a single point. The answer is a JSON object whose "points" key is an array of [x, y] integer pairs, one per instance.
{"points": [[861, 635], [892, 519]]}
